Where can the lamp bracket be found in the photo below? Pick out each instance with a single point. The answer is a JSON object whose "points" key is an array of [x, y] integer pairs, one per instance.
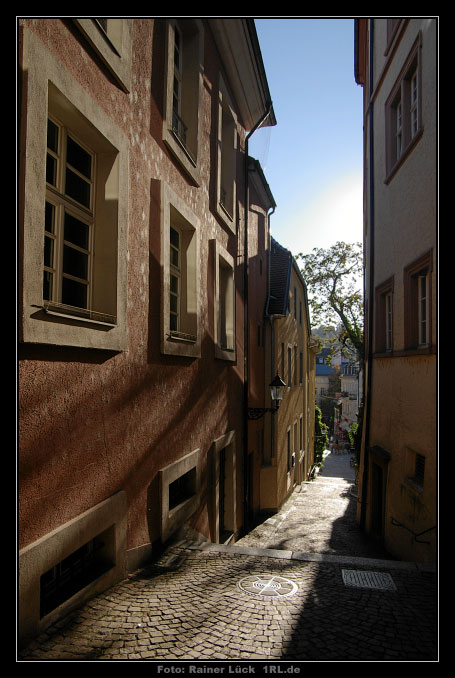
{"points": [[258, 412]]}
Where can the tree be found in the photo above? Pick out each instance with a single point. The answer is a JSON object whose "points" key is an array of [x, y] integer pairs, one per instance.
{"points": [[321, 437], [335, 296]]}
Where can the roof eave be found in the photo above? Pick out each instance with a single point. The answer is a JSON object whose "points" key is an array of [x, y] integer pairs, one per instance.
{"points": [[238, 45]]}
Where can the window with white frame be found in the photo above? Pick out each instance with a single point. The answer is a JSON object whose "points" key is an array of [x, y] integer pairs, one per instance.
{"points": [[417, 302], [423, 309], [403, 112], [180, 332], [183, 92], [388, 322]]}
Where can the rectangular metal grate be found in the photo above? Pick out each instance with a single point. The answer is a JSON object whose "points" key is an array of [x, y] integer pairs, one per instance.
{"points": [[381, 581]]}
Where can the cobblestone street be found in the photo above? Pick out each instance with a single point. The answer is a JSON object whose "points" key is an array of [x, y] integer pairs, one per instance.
{"points": [[278, 595]]}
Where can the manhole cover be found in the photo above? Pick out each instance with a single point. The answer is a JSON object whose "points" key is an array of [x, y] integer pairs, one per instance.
{"points": [[268, 586], [368, 580]]}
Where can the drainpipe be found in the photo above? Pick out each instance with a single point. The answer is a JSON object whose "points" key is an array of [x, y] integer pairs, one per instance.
{"points": [[272, 331], [245, 322], [368, 385]]}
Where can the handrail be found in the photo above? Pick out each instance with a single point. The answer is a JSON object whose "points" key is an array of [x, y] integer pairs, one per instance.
{"points": [[397, 523]]}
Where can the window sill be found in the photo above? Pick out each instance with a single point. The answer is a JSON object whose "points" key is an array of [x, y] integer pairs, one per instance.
{"points": [[225, 354], [83, 315], [182, 337]]}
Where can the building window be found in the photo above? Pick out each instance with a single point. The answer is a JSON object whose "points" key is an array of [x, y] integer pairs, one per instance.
{"points": [[112, 41], [226, 158], [175, 257], [384, 316], [182, 488], [392, 28], [182, 119], [68, 223], [388, 322], [180, 333], [76, 571], [112, 30], [180, 484], [289, 366], [423, 309], [301, 368], [419, 472], [295, 365], [417, 302], [404, 113], [224, 306], [75, 173]]}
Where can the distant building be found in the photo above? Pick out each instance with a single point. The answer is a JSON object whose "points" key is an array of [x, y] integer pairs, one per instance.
{"points": [[351, 393], [290, 352], [396, 63]]}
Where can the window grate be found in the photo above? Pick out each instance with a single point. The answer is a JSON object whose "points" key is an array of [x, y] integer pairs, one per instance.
{"points": [[76, 571]]}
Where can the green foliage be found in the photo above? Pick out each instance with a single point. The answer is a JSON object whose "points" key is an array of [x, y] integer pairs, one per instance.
{"points": [[321, 437], [352, 433], [355, 435], [333, 277]]}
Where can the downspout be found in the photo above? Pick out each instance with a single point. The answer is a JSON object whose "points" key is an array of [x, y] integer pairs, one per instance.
{"points": [[368, 385], [245, 322], [272, 330]]}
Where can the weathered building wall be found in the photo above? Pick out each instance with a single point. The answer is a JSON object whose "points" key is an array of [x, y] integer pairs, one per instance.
{"points": [[91, 422], [108, 413], [399, 456]]}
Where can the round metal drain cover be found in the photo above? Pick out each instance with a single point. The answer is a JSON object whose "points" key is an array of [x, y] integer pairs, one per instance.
{"points": [[268, 586]]}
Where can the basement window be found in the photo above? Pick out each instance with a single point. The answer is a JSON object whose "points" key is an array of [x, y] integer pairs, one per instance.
{"points": [[182, 489], [76, 571], [419, 473]]}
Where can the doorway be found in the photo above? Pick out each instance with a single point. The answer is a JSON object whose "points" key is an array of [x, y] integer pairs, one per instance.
{"points": [[223, 520]]}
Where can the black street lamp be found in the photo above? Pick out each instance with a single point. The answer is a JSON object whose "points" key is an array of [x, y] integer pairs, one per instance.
{"points": [[277, 391]]}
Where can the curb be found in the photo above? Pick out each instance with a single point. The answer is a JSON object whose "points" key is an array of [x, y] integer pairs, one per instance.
{"points": [[310, 557]]}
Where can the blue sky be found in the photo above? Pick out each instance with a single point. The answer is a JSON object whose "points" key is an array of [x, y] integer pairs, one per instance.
{"points": [[312, 158]]}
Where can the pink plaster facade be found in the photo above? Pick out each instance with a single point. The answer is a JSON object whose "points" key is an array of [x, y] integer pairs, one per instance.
{"points": [[103, 417]]}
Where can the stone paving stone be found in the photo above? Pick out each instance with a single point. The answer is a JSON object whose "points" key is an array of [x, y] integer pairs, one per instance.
{"points": [[198, 612]]}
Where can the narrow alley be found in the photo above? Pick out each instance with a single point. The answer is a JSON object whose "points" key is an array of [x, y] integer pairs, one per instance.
{"points": [[304, 585]]}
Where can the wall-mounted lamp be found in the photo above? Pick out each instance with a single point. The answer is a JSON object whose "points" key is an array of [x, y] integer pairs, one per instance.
{"points": [[277, 391]]}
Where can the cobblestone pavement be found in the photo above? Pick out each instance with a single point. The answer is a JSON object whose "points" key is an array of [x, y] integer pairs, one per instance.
{"points": [[276, 598], [319, 517]]}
